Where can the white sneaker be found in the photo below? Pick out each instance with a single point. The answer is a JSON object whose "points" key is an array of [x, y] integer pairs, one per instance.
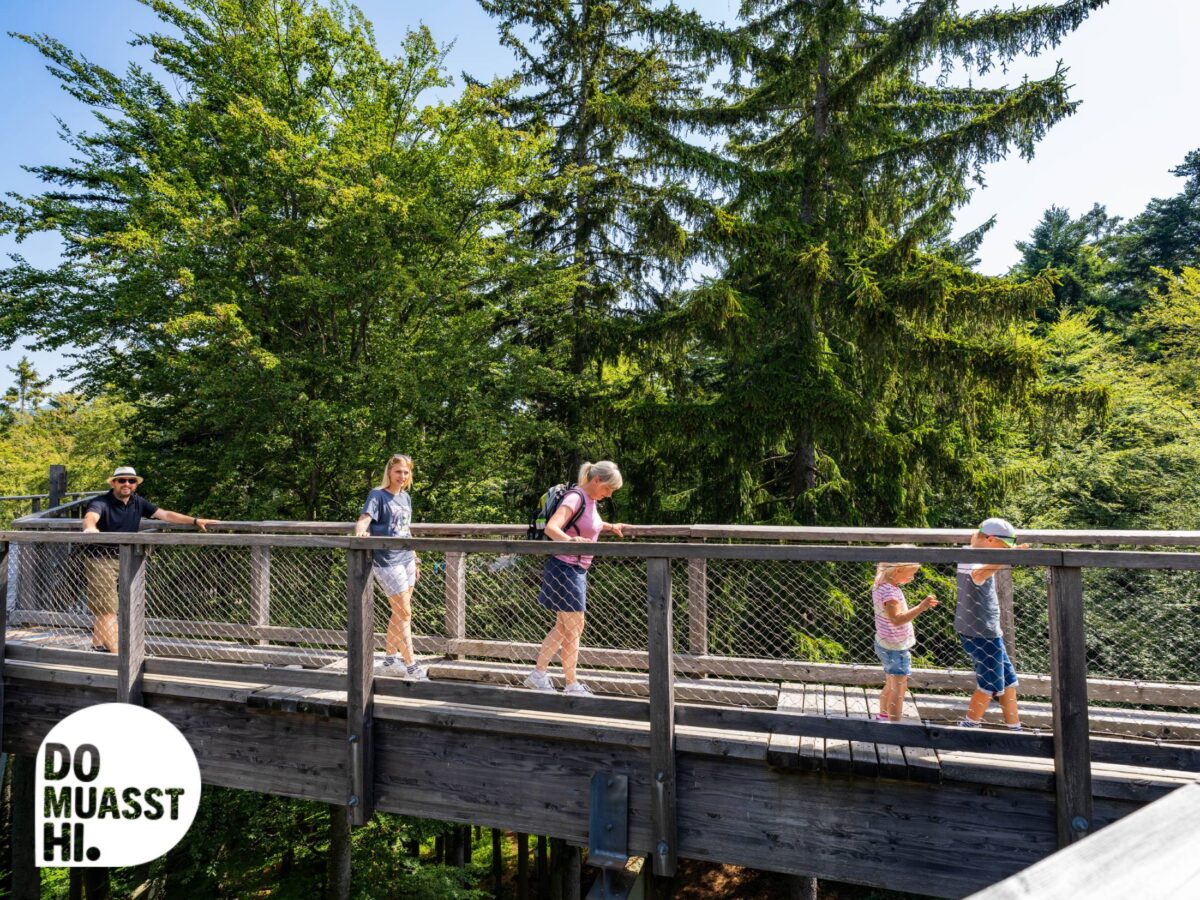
{"points": [[539, 681], [578, 689], [390, 666], [416, 672]]}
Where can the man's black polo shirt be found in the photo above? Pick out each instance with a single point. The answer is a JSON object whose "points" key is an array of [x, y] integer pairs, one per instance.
{"points": [[118, 516]]}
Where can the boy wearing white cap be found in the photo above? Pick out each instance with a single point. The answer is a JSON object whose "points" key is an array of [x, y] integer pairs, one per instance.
{"points": [[121, 510], [977, 621]]}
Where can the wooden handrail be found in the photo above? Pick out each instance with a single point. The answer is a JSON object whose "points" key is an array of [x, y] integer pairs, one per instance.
{"points": [[1104, 559], [792, 534]]}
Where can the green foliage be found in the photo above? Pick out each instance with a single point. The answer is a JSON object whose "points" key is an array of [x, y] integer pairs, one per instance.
{"points": [[86, 436], [851, 364], [289, 265], [1068, 248]]}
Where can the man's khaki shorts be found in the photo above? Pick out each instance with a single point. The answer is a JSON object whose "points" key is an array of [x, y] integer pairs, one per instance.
{"points": [[102, 573]]}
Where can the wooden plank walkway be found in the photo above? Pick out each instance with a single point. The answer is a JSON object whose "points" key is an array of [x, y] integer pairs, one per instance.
{"points": [[813, 754]]}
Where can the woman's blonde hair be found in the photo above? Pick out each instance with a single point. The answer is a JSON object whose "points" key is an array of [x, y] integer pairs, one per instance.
{"points": [[883, 568], [605, 470], [387, 468]]}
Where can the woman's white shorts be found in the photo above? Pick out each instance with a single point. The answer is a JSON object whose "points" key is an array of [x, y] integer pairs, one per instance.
{"points": [[396, 579]]}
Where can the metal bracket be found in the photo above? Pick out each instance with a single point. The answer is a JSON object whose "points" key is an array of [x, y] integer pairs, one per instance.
{"points": [[608, 831]]}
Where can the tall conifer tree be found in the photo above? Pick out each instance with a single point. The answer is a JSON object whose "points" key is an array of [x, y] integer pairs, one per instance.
{"points": [[624, 179], [861, 357]]}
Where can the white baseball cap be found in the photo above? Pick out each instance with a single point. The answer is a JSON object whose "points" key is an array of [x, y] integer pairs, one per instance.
{"points": [[999, 528]]}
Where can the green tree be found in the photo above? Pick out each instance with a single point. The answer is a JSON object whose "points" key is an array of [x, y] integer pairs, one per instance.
{"points": [[289, 264], [862, 364], [1068, 248], [29, 390], [1166, 236], [624, 195]]}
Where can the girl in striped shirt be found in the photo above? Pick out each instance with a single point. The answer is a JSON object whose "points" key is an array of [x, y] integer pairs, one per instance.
{"points": [[894, 635]]}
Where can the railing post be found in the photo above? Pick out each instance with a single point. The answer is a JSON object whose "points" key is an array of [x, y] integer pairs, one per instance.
{"points": [[697, 600], [58, 486], [1068, 672], [360, 686], [3, 632], [456, 600], [260, 588], [1008, 618], [662, 715], [131, 623]]}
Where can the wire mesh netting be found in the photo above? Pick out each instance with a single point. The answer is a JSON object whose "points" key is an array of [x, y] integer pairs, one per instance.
{"points": [[741, 626]]}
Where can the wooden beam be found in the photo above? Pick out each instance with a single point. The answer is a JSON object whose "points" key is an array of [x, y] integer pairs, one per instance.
{"points": [[1008, 618], [697, 601], [456, 596], [662, 715], [131, 623], [1150, 853], [58, 486], [523, 866], [1068, 668], [3, 634], [360, 677], [26, 876], [260, 588]]}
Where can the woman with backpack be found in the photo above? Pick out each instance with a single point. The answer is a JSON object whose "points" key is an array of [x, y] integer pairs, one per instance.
{"points": [[564, 578]]}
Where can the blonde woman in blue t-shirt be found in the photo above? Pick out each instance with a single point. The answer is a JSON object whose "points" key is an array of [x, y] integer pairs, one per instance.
{"points": [[387, 512]]}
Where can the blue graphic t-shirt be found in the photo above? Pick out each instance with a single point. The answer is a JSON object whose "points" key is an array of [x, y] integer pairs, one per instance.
{"points": [[390, 517]]}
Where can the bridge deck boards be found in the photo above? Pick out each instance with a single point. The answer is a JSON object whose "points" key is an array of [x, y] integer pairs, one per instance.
{"points": [[806, 753]]}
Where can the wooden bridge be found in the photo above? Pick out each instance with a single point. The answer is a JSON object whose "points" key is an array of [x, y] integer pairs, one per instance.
{"points": [[689, 751]]}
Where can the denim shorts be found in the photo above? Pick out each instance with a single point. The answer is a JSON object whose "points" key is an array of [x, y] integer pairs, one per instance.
{"points": [[564, 586], [994, 671], [895, 662]]}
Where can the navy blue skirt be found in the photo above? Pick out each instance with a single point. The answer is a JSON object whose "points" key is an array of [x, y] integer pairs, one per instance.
{"points": [[564, 586]]}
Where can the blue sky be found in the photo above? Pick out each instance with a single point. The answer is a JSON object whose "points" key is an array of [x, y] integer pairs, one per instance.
{"points": [[1132, 64]]}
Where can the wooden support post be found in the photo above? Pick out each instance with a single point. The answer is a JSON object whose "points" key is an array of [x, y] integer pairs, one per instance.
{"points": [[572, 872], [656, 887], [543, 868], [96, 884], [1008, 618], [3, 631], [1068, 672], [26, 876], [260, 587], [131, 623], [497, 862], [58, 486], [802, 887], [557, 850], [662, 715], [697, 600], [523, 867], [360, 674], [337, 868], [456, 598]]}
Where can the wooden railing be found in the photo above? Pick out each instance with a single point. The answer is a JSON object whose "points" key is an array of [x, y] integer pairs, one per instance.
{"points": [[1069, 744]]}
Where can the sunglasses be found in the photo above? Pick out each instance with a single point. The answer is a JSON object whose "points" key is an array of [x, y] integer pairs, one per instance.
{"points": [[124, 481]]}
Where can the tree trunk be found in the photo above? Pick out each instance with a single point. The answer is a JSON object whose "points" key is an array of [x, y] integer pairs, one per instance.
{"points": [[802, 887]]}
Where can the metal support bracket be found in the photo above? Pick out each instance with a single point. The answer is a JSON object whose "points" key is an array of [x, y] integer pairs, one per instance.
{"points": [[608, 839]]}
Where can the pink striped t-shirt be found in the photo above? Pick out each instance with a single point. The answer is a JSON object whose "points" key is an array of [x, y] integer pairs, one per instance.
{"points": [[586, 526], [891, 637]]}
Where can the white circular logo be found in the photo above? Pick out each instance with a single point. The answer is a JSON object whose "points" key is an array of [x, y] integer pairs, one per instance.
{"points": [[117, 785]]}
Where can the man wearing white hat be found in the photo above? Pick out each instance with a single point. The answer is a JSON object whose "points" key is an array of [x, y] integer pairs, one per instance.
{"points": [[120, 510]]}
